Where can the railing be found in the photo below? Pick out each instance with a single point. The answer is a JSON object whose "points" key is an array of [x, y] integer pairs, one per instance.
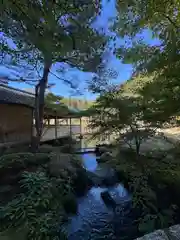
{"points": [[49, 132]]}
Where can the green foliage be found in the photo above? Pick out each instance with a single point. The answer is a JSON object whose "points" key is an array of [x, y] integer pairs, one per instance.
{"points": [[42, 202], [153, 187], [40, 25], [22, 160], [156, 66], [38, 208], [129, 118]]}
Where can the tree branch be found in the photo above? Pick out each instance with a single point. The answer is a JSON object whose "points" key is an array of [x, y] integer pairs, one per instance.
{"points": [[171, 21]]}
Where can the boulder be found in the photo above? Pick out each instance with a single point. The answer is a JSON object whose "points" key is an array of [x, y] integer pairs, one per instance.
{"points": [[60, 162], [108, 200], [105, 157]]}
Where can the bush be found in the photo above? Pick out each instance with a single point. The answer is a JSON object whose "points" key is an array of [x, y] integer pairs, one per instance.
{"points": [[38, 208], [17, 149], [153, 183], [23, 160], [15, 160]]}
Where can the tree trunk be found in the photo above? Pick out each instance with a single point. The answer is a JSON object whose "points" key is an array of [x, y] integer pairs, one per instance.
{"points": [[39, 106], [137, 142]]}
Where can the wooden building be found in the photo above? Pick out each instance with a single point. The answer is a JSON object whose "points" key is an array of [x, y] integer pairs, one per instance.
{"points": [[16, 115], [17, 122]]}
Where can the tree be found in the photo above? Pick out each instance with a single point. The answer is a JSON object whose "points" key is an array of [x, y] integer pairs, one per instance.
{"points": [[162, 18], [127, 117], [47, 33], [158, 63]]}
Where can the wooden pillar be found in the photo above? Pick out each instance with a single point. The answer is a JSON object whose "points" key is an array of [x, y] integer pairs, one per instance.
{"points": [[32, 127], [70, 127], [81, 134], [56, 126]]}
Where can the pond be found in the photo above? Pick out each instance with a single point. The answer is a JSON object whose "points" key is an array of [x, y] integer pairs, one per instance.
{"points": [[94, 219]]}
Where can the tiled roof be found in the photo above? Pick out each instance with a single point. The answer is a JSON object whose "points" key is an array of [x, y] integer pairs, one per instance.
{"points": [[17, 96], [12, 95]]}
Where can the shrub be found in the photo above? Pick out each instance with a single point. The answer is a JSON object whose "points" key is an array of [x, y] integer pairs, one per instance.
{"points": [[153, 185], [22, 160], [38, 208], [15, 160]]}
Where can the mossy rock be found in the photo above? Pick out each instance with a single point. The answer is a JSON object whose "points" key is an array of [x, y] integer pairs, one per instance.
{"points": [[46, 148], [59, 162], [67, 148], [81, 182], [39, 158], [105, 157]]}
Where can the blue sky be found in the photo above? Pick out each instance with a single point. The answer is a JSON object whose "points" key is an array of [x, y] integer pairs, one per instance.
{"points": [[124, 71]]}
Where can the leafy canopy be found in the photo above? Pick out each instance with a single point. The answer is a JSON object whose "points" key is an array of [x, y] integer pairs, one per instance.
{"points": [[57, 31]]}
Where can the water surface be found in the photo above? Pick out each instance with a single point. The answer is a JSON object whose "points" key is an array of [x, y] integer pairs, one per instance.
{"points": [[94, 219]]}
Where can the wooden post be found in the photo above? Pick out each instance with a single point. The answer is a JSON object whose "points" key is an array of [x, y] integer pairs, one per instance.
{"points": [[56, 127], [81, 139], [70, 127]]}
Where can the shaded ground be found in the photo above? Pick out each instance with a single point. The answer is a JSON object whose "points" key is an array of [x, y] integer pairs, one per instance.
{"points": [[172, 136]]}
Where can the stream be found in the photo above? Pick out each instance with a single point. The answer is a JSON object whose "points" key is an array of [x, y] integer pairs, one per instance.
{"points": [[96, 220]]}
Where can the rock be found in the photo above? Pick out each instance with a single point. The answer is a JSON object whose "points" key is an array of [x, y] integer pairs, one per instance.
{"points": [[157, 235], [174, 232], [82, 182], [97, 151], [103, 149], [108, 200], [123, 208], [105, 157], [61, 161], [95, 179], [103, 175]]}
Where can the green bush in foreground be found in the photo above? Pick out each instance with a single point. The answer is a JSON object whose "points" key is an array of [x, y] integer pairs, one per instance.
{"points": [[38, 208], [46, 184], [152, 186]]}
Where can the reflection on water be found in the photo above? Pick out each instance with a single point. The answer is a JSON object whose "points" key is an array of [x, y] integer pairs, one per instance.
{"points": [[94, 220]]}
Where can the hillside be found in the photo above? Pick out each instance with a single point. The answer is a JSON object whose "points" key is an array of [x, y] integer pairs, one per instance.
{"points": [[76, 103]]}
